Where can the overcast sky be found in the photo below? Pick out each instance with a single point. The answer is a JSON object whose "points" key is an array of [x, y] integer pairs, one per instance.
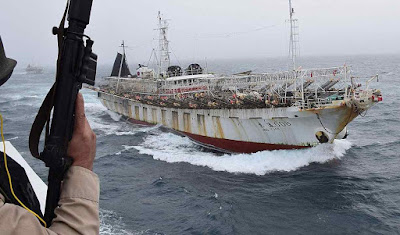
{"points": [[207, 28]]}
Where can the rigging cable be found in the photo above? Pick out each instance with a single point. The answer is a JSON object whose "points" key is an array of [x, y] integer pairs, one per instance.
{"points": [[175, 56], [151, 55]]}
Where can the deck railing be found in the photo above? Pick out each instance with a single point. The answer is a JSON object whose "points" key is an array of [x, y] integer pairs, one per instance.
{"points": [[301, 88]]}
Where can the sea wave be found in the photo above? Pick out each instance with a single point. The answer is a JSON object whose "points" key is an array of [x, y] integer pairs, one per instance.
{"points": [[111, 223], [137, 128], [95, 112], [126, 148], [99, 119], [173, 148], [18, 97]]}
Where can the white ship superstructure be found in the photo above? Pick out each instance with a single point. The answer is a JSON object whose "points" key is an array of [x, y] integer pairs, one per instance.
{"points": [[244, 112]]}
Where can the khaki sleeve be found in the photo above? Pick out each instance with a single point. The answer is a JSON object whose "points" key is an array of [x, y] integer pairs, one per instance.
{"points": [[78, 212], [79, 203]]}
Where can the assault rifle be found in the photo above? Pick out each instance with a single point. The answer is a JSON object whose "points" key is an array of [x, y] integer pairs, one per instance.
{"points": [[76, 64]]}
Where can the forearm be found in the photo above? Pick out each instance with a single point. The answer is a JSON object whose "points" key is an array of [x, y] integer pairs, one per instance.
{"points": [[79, 203]]}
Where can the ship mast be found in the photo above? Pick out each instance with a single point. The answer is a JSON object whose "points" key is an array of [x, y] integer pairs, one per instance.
{"points": [[123, 58], [164, 58], [294, 39], [120, 65]]}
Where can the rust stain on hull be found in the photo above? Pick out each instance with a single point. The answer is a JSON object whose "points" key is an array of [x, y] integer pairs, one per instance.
{"points": [[187, 123], [175, 120], [105, 103], [130, 111], [351, 114], [137, 117], [145, 114], [219, 132], [201, 125], [163, 117], [116, 107], [236, 127], [154, 116]]}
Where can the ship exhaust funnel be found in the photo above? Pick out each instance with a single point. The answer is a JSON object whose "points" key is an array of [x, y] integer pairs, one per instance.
{"points": [[125, 72]]}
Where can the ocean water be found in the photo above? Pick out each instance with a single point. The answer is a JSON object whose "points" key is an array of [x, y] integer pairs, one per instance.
{"points": [[155, 182]]}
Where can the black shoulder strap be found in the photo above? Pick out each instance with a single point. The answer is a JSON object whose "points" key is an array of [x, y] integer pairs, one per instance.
{"points": [[41, 120], [21, 185], [43, 117]]}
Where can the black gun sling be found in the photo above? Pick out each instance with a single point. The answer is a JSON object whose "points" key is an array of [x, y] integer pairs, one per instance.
{"points": [[43, 117]]}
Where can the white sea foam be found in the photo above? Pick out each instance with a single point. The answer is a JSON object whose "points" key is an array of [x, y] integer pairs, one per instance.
{"points": [[13, 138], [94, 107], [106, 128], [172, 148], [116, 117], [32, 96], [112, 224], [95, 111], [137, 129], [126, 148], [120, 133], [16, 97]]}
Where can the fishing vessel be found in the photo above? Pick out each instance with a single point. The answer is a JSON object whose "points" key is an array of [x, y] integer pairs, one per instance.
{"points": [[243, 112], [34, 69]]}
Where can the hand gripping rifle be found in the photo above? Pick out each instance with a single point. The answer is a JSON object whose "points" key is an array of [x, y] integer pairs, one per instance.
{"points": [[76, 64]]}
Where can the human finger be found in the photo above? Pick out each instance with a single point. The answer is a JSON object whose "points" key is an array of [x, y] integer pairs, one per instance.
{"points": [[80, 118]]}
